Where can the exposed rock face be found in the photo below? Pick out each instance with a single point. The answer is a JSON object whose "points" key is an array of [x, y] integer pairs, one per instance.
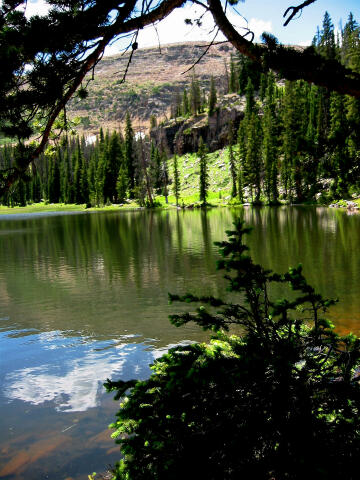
{"points": [[183, 135]]}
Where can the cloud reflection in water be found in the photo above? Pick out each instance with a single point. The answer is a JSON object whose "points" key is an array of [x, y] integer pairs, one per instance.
{"points": [[75, 384]]}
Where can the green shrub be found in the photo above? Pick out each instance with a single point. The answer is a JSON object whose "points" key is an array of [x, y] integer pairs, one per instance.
{"points": [[279, 401]]}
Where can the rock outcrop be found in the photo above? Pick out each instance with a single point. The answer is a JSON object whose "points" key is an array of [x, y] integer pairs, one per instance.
{"points": [[182, 135]]}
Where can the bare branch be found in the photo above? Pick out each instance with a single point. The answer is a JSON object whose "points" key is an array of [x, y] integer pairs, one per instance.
{"points": [[295, 10], [203, 54]]}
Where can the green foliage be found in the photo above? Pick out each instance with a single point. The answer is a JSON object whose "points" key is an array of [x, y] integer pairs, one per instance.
{"points": [[212, 97], [279, 401], [176, 180], [204, 175]]}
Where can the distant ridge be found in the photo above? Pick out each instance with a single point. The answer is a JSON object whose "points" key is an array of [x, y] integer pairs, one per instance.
{"points": [[153, 80]]}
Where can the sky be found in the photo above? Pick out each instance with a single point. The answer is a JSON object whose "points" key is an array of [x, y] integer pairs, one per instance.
{"points": [[261, 15]]}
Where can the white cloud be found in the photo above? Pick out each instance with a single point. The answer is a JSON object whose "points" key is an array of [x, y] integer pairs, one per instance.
{"points": [[174, 30], [259, 26]]}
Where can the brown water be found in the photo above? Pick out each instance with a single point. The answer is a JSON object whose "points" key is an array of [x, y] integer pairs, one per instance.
{"points": [[84, 297]]}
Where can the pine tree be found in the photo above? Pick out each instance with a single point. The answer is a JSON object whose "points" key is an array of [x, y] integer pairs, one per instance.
{"points": [[54, 179], [204, 176], [250, 99], [195, 96], [269, 143], [177, 185], [122, 184], [78, 160], [337, 136], [326, 45], [233, 79], [185, 104], [155, 167], [212, 97], [165, 175], [232, 164], [253, 159], [242, 173], [129, 160]]}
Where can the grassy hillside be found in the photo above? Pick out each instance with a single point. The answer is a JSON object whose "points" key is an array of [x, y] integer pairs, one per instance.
{"points": [[219, 178]]}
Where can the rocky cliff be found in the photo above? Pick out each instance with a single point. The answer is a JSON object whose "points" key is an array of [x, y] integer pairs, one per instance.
{"points": [[182, 135]]}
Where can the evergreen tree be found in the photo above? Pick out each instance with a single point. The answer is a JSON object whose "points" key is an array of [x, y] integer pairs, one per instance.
{"points": [[204, 176], [212, 97], [233, 79], [185, 104], [155, 168], [232, 164], [326, 45], [253, 159], [250, 99], [54, 179], [165, 175], [270, 153], [242, 175], [177, 185], [122, 184], [78, 160], [129, 160], [195, 96], [337, 137]]}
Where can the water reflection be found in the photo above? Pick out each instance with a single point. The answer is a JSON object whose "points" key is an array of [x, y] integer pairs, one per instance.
{"points": [[73, 380], [84, 297]]}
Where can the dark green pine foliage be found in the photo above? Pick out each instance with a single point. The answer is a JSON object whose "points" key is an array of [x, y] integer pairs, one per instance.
{"points": [[232, 160], [242, 174], [129, 156], [113, 160], [350, 44], [270, 133], [234, 77], [212, 97], [337, 138], [54, 188], [280, 400], [204, 174], [155, 168], [78, 161], [122, 184], [35, 187], [327, 46], [185, 104], [195, 96], [164, 175], [311, 156], [247, 69], [263, 86], [253, 159], [250, 97], [294, 125], [177, 184]]}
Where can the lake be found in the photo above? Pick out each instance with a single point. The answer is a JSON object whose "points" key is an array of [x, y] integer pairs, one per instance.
{"points": [[83, 297]]}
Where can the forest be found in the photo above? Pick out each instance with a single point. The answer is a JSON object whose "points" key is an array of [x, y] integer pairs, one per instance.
{"points": [[297, 142]]}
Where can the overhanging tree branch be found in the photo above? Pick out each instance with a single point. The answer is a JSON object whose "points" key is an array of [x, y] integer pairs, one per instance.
{"points": [[295, 10], [60, 60], [291, 63]]}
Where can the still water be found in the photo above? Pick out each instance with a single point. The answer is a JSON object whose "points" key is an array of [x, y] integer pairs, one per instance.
{"points": [[83, 297]]}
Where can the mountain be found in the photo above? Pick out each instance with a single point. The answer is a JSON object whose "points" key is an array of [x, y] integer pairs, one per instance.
{"points": [[154, 77]]}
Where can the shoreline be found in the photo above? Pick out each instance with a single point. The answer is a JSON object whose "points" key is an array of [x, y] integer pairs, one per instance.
{"points": [[42, 209]]}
